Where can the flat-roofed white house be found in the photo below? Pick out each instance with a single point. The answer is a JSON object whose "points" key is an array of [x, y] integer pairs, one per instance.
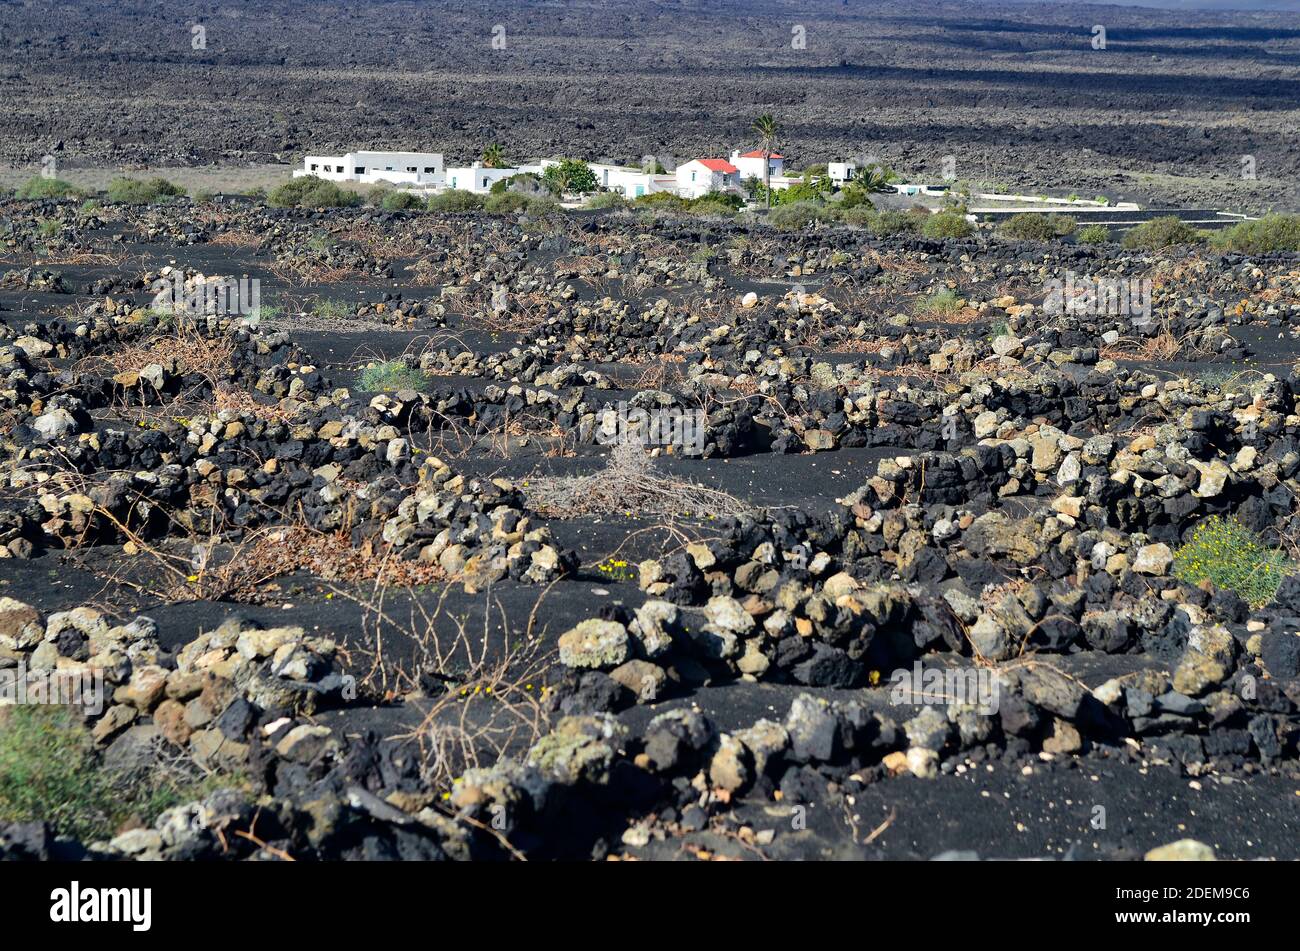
{"points": [[479, 179], [422, 169], [841, 173], [698, 177], [629, 181], [750, 165]]}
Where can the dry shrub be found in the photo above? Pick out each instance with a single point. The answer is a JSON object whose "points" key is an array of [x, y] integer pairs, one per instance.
{"points": [[182, 345], [236, 400], [485, 697], [629, 485]]}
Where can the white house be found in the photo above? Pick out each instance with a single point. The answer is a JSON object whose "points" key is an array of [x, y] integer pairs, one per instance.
{"points": [[479, 179], [841, 173], [750, 165], [629, 181], [422, 169], [698, 177]]}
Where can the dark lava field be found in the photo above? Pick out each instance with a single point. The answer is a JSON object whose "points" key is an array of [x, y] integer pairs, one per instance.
{"points": [[1015, 93], [638, 533]]}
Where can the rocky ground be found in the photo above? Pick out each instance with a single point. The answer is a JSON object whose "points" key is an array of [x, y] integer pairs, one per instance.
{"points": [[613, 535], [1016, 94]]}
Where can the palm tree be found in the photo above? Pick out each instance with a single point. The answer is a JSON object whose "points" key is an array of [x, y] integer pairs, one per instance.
{"points": [[765, 126], [494, 156]]}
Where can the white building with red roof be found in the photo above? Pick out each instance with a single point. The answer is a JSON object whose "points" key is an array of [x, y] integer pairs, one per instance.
{"points": [[750, 165], [698, 177]]}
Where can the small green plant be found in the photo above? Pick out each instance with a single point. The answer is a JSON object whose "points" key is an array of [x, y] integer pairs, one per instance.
{"points": [[332, 309], [454, 200], [50, 771], [617, 569], [1028, 226], [792, 217], [604, 200], [202, 196], [391, 375], [49, 228], [1270, 233], [895, 222], [320, 243], [142, 191], [1219, 378], [947, 224], [1165, 232], [1092, 234], [39, 187], [400, 200], [312, 192], [1000, 328], [942, 303], [1231, 557], [505, 203]]}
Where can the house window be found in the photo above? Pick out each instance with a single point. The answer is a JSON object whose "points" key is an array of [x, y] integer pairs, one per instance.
{"points": [[485, 182], [410, 168], [388, 168], [359, 170], [692, 176], [314, 167], [428, 170]]}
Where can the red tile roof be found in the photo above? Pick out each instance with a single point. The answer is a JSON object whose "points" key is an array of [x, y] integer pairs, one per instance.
{"points": [[719, 165], [758, 153]]}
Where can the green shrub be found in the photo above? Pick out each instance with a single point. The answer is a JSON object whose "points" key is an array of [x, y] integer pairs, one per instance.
{"points": [[401, 200], [661, 200], [38, 187], [947, 224], [454, 200], [1093, 234], [943, 303], [543, 206], [526, 183], [602, 200], [505, 203], [142, 191], [49, 228], [1160, 233], [864, 216], [312, 192], [202, 196], [712, 199], [1028, 226], [332, 309], [48, 771], [1270, 233], [392, 375], [800, 215], [888, 223], [570, 176], [1231, 557], [814, 190], [706, 206]]}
